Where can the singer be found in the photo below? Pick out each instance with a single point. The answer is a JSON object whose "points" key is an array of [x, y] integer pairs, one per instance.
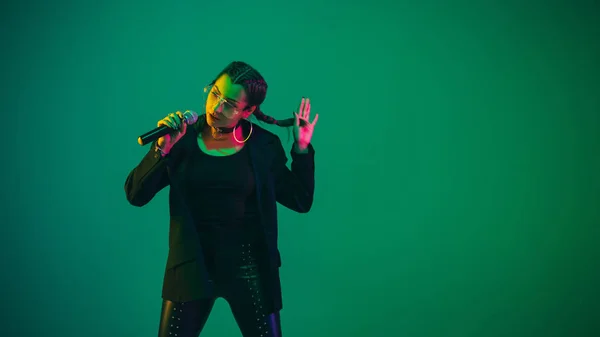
{"points": [[226, 175]]}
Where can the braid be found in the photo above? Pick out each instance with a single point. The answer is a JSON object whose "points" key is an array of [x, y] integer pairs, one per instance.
{"points": [[270, 120], [256, 89]]}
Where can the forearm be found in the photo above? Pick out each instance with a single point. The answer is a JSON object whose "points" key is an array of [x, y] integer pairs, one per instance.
{"points": [[295, 187], [300, 148], [146, 179], [303, 167]]}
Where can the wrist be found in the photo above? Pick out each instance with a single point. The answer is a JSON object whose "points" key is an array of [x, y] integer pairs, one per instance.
{"points": [[163, 151], [301, 147]]}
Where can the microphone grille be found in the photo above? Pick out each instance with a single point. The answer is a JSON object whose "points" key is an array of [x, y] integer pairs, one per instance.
{"points": [[190, 117]]}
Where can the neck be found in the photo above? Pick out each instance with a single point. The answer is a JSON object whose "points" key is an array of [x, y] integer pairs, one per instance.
{"points": [[222, 134]]}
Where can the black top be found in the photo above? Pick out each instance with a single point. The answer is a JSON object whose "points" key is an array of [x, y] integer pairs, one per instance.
{"points": [[220, 190], [221, 195]]}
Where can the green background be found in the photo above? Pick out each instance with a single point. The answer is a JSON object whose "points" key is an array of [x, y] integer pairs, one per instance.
{"points": [[457, 162]]}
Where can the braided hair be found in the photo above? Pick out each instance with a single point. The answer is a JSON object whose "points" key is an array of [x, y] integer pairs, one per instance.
{"points": [[256, 90]]}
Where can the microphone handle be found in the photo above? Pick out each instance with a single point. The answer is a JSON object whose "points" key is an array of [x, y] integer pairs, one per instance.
{"points": [[153, 135], [189, 117]]}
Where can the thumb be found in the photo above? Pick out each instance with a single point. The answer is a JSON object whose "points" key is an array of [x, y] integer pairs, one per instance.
{"points": [[183, 127]]}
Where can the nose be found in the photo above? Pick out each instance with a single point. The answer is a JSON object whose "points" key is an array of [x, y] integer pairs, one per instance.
{"points": [[218, 106]]}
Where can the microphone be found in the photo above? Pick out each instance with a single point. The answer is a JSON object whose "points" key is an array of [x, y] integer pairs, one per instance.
{"points": [[189, 117]]}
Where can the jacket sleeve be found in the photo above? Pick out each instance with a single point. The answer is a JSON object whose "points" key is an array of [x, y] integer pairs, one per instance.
{"points": [[147, 178], [294, 188]]}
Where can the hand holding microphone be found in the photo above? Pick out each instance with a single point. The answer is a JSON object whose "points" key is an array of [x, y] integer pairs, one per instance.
{"points": [[169, 130], [175, 122]]}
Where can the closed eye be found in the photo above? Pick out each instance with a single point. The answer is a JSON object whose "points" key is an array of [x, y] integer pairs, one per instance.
{"points": [[231, 100], [224, 100]]}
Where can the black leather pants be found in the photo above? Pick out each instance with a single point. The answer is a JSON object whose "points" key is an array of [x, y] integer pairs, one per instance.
{"points": [[241, 287]]}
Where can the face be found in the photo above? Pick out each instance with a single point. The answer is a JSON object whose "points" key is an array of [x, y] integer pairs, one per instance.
{"points": [[226, 103]]}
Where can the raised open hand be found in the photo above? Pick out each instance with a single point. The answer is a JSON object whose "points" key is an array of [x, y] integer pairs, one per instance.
{"points": [[303, 128]]}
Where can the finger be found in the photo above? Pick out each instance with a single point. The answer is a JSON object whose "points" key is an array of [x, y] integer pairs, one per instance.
{"points": [[163, 140], [302, 121], [180, 120], [174, 120], [183, 127], [179, 115], [300, 111], [164, 122], [297, 121], [314, 122], [307, 108], [170, 122]]}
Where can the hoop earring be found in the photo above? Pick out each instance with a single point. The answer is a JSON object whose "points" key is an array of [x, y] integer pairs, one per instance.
{"points": [[245, 140]]}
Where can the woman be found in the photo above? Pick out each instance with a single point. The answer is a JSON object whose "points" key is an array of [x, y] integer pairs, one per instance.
{"points": [[225, 177]]}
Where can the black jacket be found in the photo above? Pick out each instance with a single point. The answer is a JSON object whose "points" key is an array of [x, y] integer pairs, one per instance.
{"points": [[293, 189]]}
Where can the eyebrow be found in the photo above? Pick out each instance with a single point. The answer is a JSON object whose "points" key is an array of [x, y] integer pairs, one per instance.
{"points": [[227, 98]]}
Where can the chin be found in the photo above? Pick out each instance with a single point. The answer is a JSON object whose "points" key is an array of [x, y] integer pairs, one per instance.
{"points": [[218, 123], [210, 120]]}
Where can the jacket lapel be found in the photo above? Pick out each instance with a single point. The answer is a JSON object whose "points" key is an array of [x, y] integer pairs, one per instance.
{"points": [[259, 163]]}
